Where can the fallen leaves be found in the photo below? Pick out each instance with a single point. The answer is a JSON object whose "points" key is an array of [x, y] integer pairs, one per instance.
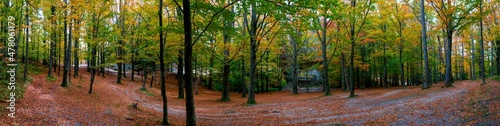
{"points": [[46, 103]]}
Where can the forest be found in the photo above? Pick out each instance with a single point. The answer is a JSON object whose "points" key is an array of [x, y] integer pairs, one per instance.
{"points": [[250, 62]]}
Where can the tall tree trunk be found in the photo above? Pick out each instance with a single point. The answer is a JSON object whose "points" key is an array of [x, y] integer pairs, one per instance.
{"points": [[253, 51], [481, 46], [325, 59], [188, 53], [52, 41], [26, 41], [93, 61], [120, 44], [162, 63], [225, 73], [424, 42], [76, 67], [67, 46], [70, 35], [93, 64], [448, 73], [353, 43]]}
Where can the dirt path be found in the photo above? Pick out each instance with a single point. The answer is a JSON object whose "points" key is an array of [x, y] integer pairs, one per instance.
{"points": [[46, 103]]}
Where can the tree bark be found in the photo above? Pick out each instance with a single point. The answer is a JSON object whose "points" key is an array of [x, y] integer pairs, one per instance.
{"points": [[93, 61], [448, 73], [26, 41], [225, 73], [424, 41], [325, 60], [162, 63], [120, 44], [188, 53], [253, 51], [481, 46], [67, 47], [52, 42]]}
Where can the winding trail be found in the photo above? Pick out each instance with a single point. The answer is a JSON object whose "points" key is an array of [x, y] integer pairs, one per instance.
{"points": [[46, 103]]}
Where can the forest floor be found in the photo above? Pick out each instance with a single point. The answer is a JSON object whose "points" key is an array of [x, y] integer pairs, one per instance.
{"points": [[47, 103]]}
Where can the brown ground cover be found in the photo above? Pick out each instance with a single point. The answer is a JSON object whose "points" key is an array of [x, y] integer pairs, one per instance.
{"points": [[47, 103]]}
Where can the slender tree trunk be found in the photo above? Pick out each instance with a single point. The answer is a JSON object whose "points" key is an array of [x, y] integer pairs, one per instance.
{"points": [[77, 67], [225, 73], [70, 36], [424, 41], [26, 41], [325, 59], [162, 63], [353, 44], [52, 41], [93, 61], [188, 53], [481, 46], [253, 51], [448, 73], [67, 46], [119, 50]]}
